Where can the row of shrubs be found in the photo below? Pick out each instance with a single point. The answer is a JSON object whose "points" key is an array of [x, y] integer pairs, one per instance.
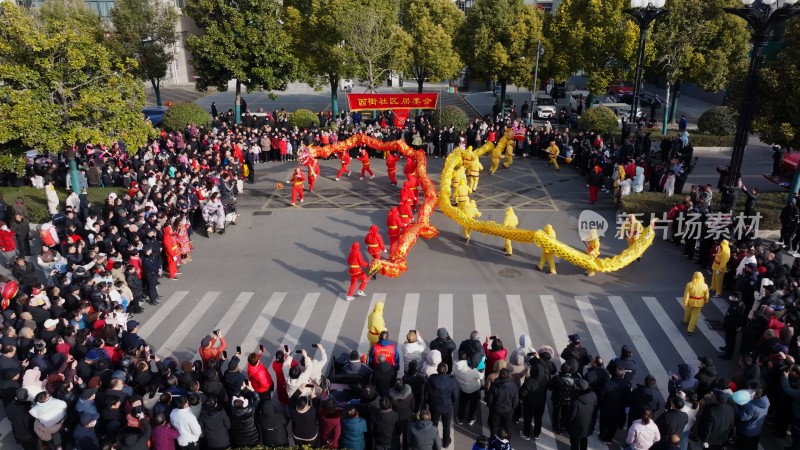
{"points": [[769, 206]]}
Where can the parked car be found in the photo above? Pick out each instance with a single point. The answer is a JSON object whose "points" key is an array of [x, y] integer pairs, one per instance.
{"points": [[575, 96], [155, 114], [620, 87], [646, 99], [544, 106], [620, 110]]}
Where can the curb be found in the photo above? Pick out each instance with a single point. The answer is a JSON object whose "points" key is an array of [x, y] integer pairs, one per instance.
{"points": [[712, 149]]}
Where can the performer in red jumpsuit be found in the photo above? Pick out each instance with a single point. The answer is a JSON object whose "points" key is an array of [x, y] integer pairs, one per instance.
{"points": [[411, 166], [395, 225], [172, 251], [375, 244], [345, 158], [313, 171], [391, 167], [356, 263], [406, 214], [297, 185], [411, 186], [364, 158]]}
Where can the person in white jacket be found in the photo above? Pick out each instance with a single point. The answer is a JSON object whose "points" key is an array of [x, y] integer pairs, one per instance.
{"points": [[431, 363], [638, 180], [298, 377], [317, 364], [470, 381], [643, 432], [185, 423], [413, 349]]}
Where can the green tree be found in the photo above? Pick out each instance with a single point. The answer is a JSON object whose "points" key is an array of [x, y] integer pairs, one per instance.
{"points": [[61, 86], [242, 40], [777, 114], [145, 30], [498, 41], [698, 42], [317, 44], [594, 36], [432, 26], [378, 45]]}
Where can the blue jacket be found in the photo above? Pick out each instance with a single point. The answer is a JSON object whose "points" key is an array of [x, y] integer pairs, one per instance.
{"points": [[353, 430], [85, 438], [750, 417]]}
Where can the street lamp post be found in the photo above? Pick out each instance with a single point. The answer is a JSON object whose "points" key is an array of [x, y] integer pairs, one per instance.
{"points": [[644, 12], [765, 17]]}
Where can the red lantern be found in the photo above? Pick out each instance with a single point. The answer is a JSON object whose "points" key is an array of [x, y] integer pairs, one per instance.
{"points": [[10, 289]]}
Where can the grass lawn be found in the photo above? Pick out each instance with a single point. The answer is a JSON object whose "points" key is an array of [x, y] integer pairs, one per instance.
{"points": [[769, 205], [37, 203]]}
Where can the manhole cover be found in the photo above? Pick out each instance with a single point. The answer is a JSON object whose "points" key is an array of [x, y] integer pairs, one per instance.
{"points": [[714, 325], [509, 273], [262, 213]]}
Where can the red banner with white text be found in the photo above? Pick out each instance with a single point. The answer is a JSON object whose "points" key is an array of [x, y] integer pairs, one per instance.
{"points": [[366, 102]]}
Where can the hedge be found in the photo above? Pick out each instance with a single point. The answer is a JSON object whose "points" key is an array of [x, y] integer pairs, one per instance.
{"points": [[769, 205], [36, 202], [303, 118], [720, 120], [449, 116], [699, 140], [599, 119], [178, 116]]}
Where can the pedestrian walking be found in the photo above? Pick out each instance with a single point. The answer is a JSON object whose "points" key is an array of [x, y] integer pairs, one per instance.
{"points": [[695, 296], [547, 256], [510, 220]]}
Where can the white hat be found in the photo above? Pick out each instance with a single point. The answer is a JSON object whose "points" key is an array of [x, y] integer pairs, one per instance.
{"points": [[50, 323], [244, 401]]}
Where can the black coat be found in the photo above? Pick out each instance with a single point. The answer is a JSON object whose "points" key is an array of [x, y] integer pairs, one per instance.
{"points": [[671, 422], [441, 392], [534, 389], [215, 424], [581, 413], [503, 396], [21, 420], [272, 426], [715, 423], [243, 425], [615, 398], [383, 425], [642, 397], [403, 402], [383, 378]]}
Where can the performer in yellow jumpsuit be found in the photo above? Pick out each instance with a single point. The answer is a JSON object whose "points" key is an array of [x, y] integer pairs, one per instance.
{"points": [[694, 297], [592, 247], [509, 135], [510, 220], [548, 257], [471, 211], [475, 168], [459, 176], [467, 156], [497, 153], [719, 267], [631, 229], [462, 194], [552, 153], [375, 324]]}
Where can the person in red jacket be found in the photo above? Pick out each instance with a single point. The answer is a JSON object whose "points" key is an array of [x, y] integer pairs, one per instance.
{"points": [[8, 243], [260, 379], [413, 196], [374, 242], [494, 352], [172, 252], [345, 158], [280, 381], [395, 225], [357, 265], [364, 158], [411, 166], [297, 185], [210, 350], [391, 167]]}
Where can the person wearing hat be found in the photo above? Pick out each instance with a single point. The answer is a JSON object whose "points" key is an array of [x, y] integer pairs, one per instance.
{"points": [[580, 415], [84, 434], [575, 354], [695, 296], [130, 338], [734, 319], [748, 284], [720, 266], [624, 362], [21, 420]]}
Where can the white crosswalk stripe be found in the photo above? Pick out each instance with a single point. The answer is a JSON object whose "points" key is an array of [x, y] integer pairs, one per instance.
{"points": [[262, 322], [228, 320], [407, 322], [446, 321], [554, 321], [173, 341], [300, 320], [596, 331], [713, 336], [676, 336], [640, 342], [163, 312], [333, 328]]}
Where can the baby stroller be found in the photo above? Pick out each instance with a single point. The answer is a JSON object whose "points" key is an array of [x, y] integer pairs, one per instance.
{"points": [[216, 215]]}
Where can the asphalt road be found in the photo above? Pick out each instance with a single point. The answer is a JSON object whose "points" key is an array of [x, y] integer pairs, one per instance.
{"points": [[279, 277]]}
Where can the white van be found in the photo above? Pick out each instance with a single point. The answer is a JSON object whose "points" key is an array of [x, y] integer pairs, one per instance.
{"points": [[620, 110]]}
